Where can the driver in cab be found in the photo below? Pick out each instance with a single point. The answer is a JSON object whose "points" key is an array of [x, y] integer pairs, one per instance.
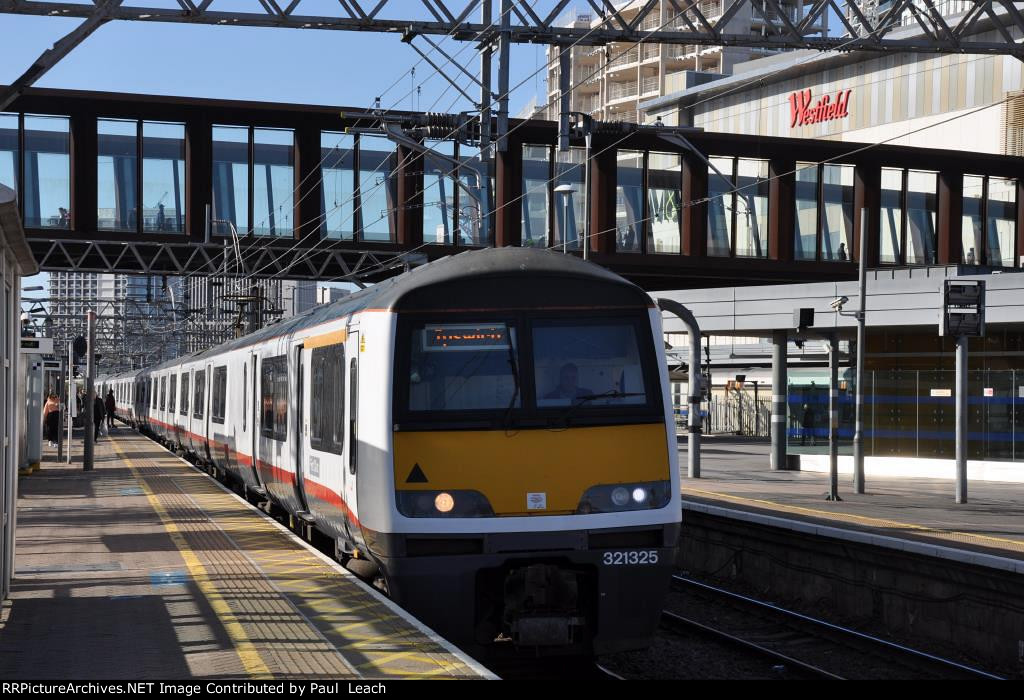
{"points": [[568, 388]]}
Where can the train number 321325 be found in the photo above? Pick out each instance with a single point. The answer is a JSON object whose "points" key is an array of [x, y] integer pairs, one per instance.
{"points": [[628, 558]]}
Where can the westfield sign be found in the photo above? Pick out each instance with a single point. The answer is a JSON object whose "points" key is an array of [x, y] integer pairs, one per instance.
{"points": [[803, 110]]}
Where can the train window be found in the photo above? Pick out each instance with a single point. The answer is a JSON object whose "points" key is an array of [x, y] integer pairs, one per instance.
{"points": [[318, 363], [184, 394], [596, 363], [327, 399], [463, 367], [163, 393], [218, 398], [198, 394], [274, 398], [153, 393], [173, 393]]}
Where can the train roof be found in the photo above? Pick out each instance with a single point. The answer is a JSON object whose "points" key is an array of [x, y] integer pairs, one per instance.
{"points": [[443, 285]]}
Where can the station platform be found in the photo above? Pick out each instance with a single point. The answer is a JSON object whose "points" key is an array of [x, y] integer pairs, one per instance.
{"points": [[147, 568], [910, 514]]}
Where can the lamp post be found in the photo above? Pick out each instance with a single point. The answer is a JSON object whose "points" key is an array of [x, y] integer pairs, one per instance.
{"points": [[566, 191]]}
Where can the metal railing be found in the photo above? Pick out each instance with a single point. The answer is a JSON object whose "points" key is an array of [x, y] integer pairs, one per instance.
{"points": [[733, 415], [618, 91], [625, 59]]}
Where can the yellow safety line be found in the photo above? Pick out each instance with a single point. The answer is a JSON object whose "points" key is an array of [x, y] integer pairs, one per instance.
{"points": [[244, 647], [328, 603], [866, 520]]}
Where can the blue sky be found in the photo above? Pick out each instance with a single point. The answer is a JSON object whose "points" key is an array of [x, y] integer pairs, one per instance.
{"points": [[275, 65]]}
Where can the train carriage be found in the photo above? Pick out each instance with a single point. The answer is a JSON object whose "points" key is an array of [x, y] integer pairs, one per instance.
{"points": [[492, 431]]}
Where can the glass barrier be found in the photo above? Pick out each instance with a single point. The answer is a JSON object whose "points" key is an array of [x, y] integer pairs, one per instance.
{"points": [[337, 202], [163, 177], [117, 142], [47, 188], [273, 187], [912, 413]]}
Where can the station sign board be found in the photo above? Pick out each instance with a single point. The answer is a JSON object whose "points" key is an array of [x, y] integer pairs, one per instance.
{"points": [[803, 110], [37, 346], [963, 308]]}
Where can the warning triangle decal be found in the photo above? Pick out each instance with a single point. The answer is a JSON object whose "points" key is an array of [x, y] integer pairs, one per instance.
{"points": [[416, 476]]}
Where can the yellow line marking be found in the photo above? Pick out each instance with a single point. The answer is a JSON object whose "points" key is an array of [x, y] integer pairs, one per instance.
{"points": [[864, 519], [245, 649]]}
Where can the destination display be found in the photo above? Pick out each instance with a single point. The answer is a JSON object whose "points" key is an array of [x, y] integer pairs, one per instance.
{"points": [[455, 337]]}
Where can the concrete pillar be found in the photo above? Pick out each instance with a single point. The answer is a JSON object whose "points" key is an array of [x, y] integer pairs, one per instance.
{"points": [[780, 389]]}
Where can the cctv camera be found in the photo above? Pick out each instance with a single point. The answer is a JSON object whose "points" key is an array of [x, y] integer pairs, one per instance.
{"points": [[837, 304]]}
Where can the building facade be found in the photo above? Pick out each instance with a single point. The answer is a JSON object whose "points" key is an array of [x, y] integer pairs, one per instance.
{"points": [[965, 102], [610, 82]]}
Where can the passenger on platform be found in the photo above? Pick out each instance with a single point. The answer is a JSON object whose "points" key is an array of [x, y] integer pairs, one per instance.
{"points": [[51, 416], [98, 412], [111, 406], [808, 425]]}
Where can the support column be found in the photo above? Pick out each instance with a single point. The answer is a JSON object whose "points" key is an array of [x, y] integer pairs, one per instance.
{"points": [[781, 209], [695, 189], [508, 205], [780, 390], [949, 218], [308, 202], [409, 217], [961, 419], [198, 176], [84, 149], [601, 201], [694, 384], [867, 200]]}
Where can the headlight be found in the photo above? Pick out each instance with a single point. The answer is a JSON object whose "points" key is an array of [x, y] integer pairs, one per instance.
{"points": [[443, 504], [611, 498]]}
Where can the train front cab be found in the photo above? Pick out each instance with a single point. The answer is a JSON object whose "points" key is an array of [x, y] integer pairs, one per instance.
{"points": [[533, 474]]}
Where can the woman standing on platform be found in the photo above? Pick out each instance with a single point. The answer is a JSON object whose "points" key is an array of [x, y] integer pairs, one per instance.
{"points": [[51, 413]]}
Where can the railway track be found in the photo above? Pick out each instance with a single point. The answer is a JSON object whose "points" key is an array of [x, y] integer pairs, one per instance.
{"points": [[809, 646]]}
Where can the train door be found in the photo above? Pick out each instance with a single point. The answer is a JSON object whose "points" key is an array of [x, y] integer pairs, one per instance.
{"points": [[253, 414], [206, 425], [350, 458], [298, 444], [245, 440]]}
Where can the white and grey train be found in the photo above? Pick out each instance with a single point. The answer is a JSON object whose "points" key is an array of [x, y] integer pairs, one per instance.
{"points": [[492, 431]]}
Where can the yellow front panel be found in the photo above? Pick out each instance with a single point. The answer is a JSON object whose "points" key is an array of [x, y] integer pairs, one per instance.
{"points": [[505, 467]]}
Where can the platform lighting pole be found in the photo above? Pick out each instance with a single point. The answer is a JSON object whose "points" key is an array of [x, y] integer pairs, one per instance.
{"points": [[88, 452], [60, 420], [566, 191], [71, 395], [833, 417], [961, 418], [858, 408]]}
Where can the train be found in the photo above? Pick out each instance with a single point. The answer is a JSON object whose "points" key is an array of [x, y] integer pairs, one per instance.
{"points": [[488, 436]]}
